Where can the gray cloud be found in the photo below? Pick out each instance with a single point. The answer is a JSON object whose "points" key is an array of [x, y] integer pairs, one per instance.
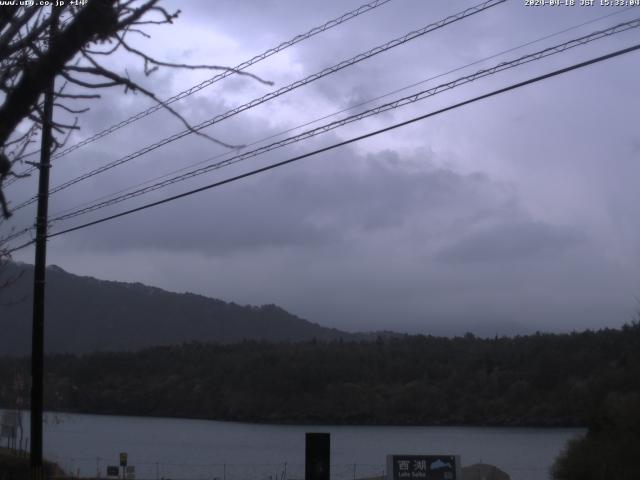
{"points": [[519, 209], [325, 201], [522, 241]]}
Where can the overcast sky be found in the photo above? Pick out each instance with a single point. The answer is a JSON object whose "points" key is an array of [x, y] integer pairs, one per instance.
{"points": [[517, 212]]}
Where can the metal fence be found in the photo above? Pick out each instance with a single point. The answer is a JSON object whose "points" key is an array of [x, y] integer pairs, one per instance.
{"points": [[163, 470]]}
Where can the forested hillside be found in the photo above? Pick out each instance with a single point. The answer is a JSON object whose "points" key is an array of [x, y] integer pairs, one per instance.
{"points": [[543, 379], [85, 314]]}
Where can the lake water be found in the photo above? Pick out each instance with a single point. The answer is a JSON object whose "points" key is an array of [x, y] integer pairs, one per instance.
{"points": [[201, 449]]}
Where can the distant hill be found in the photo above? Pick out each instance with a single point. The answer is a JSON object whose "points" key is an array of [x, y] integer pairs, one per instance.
{"points": [[85, 314]]}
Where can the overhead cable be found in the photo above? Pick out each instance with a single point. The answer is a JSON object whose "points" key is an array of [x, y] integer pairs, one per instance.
{"points": [[345, 142], [281, 91], [360, 116], [343, 110], [238, 68]]}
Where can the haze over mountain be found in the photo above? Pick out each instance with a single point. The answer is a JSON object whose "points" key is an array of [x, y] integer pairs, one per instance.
{"points": [[84, 314]]}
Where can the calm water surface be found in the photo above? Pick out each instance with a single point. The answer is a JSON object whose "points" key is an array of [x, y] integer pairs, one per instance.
{"points": [[201, 449]]}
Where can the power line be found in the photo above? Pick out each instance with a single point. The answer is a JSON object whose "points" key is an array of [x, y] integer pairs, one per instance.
{"points": [[346, 142], [14, 235], [360, 116], [196, 88], [281, 91], [352, 107], [91, 206]]}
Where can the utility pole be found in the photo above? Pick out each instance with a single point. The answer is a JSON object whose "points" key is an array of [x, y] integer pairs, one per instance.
{"points": [[37, 335]]}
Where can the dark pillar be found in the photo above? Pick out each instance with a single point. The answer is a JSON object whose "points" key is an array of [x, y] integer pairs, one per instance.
{"points": [[317, 456], [37, 338]]}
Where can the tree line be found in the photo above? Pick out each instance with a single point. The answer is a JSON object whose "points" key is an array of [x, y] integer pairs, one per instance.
{"points": [[536, 380]]}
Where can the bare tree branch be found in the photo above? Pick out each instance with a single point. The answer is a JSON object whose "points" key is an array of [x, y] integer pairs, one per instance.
{"points": [[97, 19], [160, 63], [30, 59], [133, 86]]}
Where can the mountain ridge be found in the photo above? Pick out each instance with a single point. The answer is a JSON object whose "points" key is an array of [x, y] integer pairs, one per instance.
{"points": [[112, 315]]}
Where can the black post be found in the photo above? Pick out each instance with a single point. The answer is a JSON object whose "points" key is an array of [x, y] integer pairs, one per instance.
{"points": [[37, 336], [317, 456]]}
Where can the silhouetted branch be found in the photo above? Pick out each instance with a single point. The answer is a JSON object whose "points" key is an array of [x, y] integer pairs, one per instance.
{"points": [[31, 56]]}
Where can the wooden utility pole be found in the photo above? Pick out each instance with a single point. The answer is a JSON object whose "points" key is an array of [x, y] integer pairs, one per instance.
{"points": [[37, 336]]}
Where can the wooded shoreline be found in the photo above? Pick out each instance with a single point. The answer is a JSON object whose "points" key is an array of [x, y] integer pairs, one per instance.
{"points": [[542, 380]]}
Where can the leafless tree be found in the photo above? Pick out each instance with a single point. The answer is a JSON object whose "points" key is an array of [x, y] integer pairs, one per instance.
{"points": [[71, 43]]}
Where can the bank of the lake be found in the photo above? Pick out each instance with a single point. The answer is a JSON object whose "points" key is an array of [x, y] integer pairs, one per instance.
{"points": [[200, 449]]}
